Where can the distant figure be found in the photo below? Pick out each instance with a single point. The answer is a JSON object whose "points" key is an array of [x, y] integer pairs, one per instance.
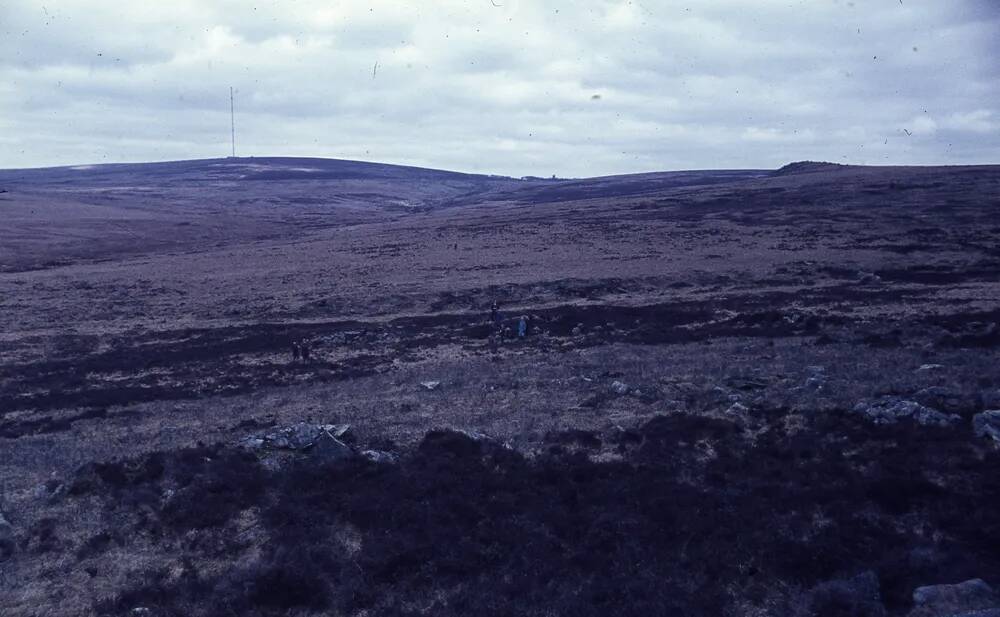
{"points": [[522, 326], [305, 352], [495, 313], [296, 352]]}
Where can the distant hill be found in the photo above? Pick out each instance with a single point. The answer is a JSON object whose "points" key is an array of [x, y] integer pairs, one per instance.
{"points": [[807, 167], [243, 168]]}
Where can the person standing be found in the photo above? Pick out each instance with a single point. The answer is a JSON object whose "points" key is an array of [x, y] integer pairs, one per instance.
{"points": [[522, 326]]}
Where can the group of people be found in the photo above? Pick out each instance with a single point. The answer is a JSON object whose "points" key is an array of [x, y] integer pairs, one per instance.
{"points": [[497, 328], [300, 351]]}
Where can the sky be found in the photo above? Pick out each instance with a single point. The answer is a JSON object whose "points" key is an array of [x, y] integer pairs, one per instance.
{"points": [[514, 87]]}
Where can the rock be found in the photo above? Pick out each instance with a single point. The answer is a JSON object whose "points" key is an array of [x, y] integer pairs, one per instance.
{"points": [[622, 436], [930, 367], [340, 431], [431, 385], [816, 370], [296, 437], [892, 409], [475, 435], [378, 456], [987, 425], [140, 611], [942, 398], [619, 387], [858, 596], [329, 448], [737, 409], [299, 436], [252, 443], [966, 598], [815, 383], [717, 396], [868, 278]]}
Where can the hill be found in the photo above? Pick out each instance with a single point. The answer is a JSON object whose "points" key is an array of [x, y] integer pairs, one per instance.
{"points": [[278, 389]]}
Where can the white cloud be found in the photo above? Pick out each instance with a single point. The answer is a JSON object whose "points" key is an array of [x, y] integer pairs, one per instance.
{"points": [[470, 85], [978, 121]]}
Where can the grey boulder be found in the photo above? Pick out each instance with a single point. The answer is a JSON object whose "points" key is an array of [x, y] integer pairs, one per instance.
{"points": [[303, 436], [329, 448], [972, 597], [619, 387], [891, 409], [381, 457], [987, 425]]}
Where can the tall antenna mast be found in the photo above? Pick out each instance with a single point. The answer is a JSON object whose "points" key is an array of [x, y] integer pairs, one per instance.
{"points": [[232, 121]]}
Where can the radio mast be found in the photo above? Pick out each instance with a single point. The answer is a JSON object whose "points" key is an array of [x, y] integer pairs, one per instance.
{"points": [[232, 121]]}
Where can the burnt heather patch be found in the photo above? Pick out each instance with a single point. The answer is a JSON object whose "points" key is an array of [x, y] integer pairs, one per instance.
{"points": [[694, 519]]}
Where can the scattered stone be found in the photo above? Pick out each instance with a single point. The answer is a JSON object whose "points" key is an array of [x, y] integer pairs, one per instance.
{"points": [[987, 425], [296, 437], [140, 610], [380, 457], [329, 448], [816, 369], [340, 431], [930, 367], [892, 409], [815, 382], [431, 385], [966, 598], [304, 436], [859, 596], [942, 398], [868, 278], [737, 409], [619, 387], [624, 436], [252, 443], [474, 435]]}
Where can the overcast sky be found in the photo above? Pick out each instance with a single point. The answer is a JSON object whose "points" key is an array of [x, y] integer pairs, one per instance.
{"points": [[574, 87]]}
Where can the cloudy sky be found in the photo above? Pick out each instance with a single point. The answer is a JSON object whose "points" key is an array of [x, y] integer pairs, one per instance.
{"points": [[573, 87]]}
